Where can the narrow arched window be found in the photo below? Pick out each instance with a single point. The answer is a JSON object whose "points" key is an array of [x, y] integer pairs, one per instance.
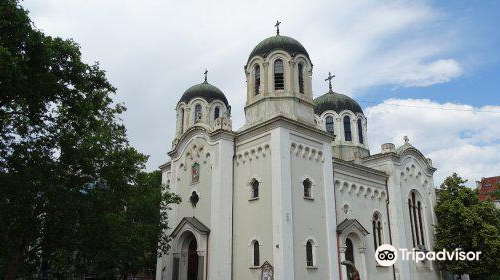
{"points": [[307, 188], [377, 230], [197, 113], [309, 253], [329, 124], [279, 80], [216, 113], [256, 253], [255, 189], [301, 77], [360, 132], [415, 212], [182, 120], [347, 129], [257, 79]]}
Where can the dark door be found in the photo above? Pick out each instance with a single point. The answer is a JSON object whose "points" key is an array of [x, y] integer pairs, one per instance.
{"points": [[192, 261]]}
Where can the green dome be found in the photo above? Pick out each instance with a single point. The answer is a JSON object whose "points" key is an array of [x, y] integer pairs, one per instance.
{"points": [[336, 102], [278, 42], [205, 91]]}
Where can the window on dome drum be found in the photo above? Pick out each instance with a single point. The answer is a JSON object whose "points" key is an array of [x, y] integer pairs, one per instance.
{"points": [[377, 230], [360, 131], [279, 81], [255, 189], [257, 79], [256, 253], [415, 209], [307, 188], [197, 113], [216, 113], [182, 120], [347, 129], [301, 77], [329, 124], [309, 253]]}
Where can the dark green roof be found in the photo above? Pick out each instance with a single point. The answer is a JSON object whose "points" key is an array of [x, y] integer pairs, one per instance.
{"points": [[278, 42], [336, 102], [205, 91]]}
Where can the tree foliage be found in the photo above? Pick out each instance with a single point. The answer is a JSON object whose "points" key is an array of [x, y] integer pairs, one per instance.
{"points": [[468, 224], [73, 197]]}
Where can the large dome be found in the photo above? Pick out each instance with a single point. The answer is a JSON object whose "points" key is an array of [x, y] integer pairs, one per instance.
{"points": [[278, 42], [205, 91], [336, 102]]}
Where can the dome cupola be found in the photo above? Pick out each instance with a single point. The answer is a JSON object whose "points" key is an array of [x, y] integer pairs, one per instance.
{"points": [[204, 90]]}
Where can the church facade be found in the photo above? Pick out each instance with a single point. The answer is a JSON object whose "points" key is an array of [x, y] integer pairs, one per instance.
{"points": [[295, 193]]}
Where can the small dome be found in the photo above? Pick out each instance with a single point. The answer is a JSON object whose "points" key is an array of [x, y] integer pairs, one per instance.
{"points": [[336, 102], [278, 42], [205, 91]]}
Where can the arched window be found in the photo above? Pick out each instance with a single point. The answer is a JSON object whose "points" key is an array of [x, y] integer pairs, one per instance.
{"points": [[377, 230], [182, 120], [256, 253], [301, 77], [197, 113], [279, 81], [349, 252], [216, 113], [347, 129], [360, 131], [309, 253], [257, 79], [329, 124], [255, 189], [195, 172], [415, 209], [307, 188]]}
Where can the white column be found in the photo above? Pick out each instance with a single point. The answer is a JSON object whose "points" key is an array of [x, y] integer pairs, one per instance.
{"points": [[220, 251], [331, 218], [362, 267], [343, 268], [282, 205]]}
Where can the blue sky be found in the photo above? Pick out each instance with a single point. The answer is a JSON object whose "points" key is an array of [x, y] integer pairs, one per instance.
{"points": [[437, 54]]}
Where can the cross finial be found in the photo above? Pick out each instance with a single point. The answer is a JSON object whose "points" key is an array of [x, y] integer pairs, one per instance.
{"points": [[206, 72], [277, 25], [406, 139], [329, 79]]}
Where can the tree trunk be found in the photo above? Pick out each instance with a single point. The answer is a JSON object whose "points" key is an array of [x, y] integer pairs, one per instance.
{"points": [[13, 266]]}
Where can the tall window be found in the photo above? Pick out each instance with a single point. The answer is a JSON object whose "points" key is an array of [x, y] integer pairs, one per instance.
{"points": [[279, 81], [347, 129], [309, 253], [182, 120], [197, 113], [360, 131], [256, 253], [377, 230], [301, 77], [257, 79], [307, 188], [255, 189], [329, 124], [216, 113], [415, 212], [195, 172]]}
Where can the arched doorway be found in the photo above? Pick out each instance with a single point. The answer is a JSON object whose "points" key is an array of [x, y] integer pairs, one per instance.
{"points": [[192, 271]]}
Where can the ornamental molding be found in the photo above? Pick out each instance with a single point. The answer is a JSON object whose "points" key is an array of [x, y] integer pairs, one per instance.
{"points": [[307, 152], [360, 190], [253, 153]]}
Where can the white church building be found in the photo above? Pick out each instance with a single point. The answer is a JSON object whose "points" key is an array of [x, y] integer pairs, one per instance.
{"points": [[295, 193]]}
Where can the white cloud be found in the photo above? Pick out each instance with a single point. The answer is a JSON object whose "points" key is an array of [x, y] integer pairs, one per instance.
{"points": [[456, 137], [154, 50]]}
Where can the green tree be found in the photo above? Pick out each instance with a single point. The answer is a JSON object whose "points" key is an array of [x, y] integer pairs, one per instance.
{"points": [[467, 224], [71, 186]]}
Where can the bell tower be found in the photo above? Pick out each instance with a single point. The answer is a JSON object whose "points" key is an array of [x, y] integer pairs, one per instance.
{"points": [[278, 74]]}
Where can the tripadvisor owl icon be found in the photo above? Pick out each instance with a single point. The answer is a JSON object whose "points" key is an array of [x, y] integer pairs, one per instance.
{"points": [[386, 255]]}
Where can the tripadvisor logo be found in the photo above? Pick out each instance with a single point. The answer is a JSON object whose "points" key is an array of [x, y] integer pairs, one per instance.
{"points": [[387, 255]]}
